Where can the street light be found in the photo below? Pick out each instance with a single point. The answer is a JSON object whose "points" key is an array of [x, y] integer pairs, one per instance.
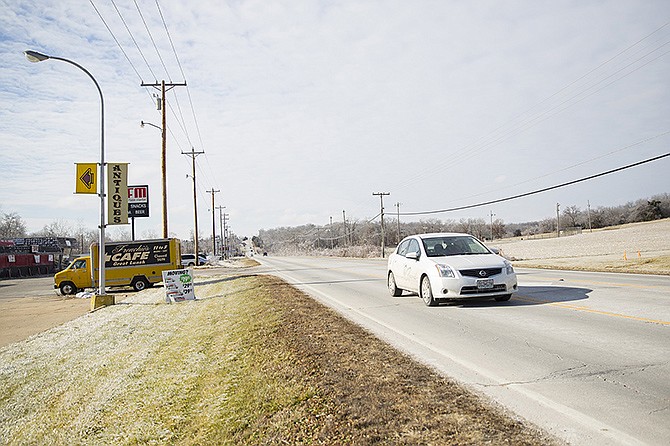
{"points": [[163, 177], [34, 56], [142, 124]]}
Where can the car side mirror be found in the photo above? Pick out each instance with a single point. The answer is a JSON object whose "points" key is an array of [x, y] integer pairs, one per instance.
{"points": [[412, 255]]}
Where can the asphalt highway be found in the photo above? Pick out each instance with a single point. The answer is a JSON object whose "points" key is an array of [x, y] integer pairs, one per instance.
{"points": [[585, 356]]}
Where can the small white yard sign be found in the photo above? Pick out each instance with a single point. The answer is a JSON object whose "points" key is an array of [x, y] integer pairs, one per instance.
{"points": [[178, 285]]}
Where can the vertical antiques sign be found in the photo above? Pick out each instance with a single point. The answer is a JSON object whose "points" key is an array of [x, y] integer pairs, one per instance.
{"points": [[117, 193]]}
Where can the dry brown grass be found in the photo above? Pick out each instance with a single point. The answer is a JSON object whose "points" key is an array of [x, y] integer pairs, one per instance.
{"points": [[254, 361]]}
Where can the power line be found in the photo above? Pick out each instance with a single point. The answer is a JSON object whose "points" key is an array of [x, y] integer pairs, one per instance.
{"points": [[519, 123], [167, 31], [178, 113], [539, 190], [116, 40], [181, 69], [635, 144], [151, 37], [132, 37]]}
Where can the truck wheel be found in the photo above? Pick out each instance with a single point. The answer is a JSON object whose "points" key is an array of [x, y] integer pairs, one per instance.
{"points": [[68, 288], [140, 283]]}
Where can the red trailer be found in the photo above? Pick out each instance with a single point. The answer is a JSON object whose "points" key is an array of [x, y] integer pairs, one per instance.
{"points": [[25, 257]]}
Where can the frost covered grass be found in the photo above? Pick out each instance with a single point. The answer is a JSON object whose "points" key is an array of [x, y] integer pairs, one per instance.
{"points": [[145, 371], [252, 361]]}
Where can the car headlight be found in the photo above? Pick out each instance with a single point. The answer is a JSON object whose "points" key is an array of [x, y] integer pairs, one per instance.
{"points": [[444, 270], [509, 269]]}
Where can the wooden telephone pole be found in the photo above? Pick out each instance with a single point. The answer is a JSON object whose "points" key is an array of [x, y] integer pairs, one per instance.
{"points": [[163, 88], [213, 221], [381, 200], [193, 154]]}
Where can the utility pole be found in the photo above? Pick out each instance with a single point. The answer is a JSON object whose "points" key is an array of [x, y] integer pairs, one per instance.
{"points": [[492, 215], [226, 248], [397, 205], [222, 251], [162, 107], [344, 221], [213, 221], [588, 211], [193, 154], [381, 200], [558, 220], [330, 230]]}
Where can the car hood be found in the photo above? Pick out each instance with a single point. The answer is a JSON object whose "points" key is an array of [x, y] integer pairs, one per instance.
{"points": [[470, 261]]}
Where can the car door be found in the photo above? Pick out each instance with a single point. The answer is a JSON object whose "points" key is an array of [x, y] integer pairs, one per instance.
{"points": [[412, 269], [397, 263]]}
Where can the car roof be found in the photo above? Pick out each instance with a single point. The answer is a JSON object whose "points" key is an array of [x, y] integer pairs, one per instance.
{"points": [[440, 234]]}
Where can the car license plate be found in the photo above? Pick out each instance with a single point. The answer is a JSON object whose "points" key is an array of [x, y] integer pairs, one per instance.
{"points": [[484, 284]]}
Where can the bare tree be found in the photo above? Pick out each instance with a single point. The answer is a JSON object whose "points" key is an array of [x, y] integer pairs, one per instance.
{"points": [[498, 228], [57, 228], [573, 215], [12, 226]]}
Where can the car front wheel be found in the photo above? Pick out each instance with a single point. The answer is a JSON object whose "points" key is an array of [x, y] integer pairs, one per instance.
{"points": [[427, 292], [393, 288], [67, 288]]}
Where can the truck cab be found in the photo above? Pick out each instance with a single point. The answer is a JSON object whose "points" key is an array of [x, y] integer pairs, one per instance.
{"points": [[76, 276]]}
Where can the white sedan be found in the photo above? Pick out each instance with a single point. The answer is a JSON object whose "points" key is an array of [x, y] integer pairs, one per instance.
{"points": [[449, 266]]}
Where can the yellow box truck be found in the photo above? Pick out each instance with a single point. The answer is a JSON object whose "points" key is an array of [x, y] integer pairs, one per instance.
{"points": [[138, 264]]}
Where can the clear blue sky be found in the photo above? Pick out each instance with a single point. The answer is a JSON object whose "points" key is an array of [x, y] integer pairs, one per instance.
{"points": [[305, 108]]}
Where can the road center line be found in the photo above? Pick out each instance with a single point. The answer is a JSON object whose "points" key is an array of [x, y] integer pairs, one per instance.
{"points": [[589, 310]]}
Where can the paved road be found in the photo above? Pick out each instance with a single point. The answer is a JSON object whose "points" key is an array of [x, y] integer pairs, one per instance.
{"points": [[31, 286], [586, 356]]}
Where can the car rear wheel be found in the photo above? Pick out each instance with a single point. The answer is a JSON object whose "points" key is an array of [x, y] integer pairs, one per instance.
{"points": [[140, 283], [427, 292], [393, 288], [504, 298]]}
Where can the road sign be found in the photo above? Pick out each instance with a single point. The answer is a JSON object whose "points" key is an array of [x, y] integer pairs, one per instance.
{"points": [[86, 178], [138, 201], [117, 193]]}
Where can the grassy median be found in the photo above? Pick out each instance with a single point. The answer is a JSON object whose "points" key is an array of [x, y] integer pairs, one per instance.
{"points": [[253, 361]]}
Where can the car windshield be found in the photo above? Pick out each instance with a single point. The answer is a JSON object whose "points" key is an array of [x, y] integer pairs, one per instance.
{"points": [[453, 246]]}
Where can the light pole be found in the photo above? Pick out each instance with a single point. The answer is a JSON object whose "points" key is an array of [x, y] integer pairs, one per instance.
{"points": [[163, 177], [34, 56]]}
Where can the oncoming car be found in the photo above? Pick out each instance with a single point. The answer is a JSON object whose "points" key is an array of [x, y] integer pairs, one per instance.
{"points": [[449, 266], [189, 260]]}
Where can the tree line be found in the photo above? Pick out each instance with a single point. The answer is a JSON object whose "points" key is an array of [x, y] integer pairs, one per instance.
{"points": [[363, 238]]}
